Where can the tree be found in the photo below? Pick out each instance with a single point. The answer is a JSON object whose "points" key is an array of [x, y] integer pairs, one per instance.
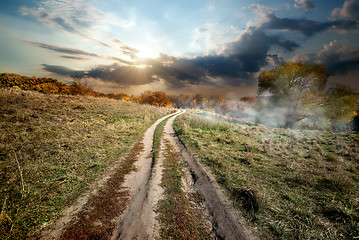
{"points": [[296, 91], [295, 88], [341, 105], [159, 99]]}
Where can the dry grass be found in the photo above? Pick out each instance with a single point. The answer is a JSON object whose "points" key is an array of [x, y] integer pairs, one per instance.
{"points": [[289, 184], [99, 217], [178, 217], [52, 147]]}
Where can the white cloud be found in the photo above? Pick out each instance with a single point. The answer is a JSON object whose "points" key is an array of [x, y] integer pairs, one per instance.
{"points": [[350, 10], [260, 9], [70, 15], [306, 4]]}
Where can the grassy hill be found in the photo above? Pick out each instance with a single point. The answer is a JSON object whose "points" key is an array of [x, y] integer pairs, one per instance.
{"points": [[53, 147], [290, 184]]}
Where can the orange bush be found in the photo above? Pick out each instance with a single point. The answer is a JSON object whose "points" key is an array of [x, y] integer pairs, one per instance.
{"points": [[159, 99]]}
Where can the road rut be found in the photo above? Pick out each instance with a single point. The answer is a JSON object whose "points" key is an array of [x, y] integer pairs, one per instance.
{"points": [[139, 220]]}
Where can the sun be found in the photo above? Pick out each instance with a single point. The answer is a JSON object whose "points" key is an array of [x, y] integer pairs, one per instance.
{"points": [[147, 53]]}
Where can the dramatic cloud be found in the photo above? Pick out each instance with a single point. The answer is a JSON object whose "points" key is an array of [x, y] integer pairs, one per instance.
{"points": [[306, 4], [123, 75], [308, 27], [61, 70], [71, 51], [350, 10], [251, 49], [337, 59], [235, 65]]}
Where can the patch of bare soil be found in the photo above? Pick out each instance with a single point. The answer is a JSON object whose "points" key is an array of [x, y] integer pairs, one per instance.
{"points": [[138, 221]]}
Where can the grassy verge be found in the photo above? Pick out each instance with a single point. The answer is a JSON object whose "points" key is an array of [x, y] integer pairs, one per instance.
{"points": [[98, 219], [53, 147], [289, 184], [177, 217], [157, 138]]}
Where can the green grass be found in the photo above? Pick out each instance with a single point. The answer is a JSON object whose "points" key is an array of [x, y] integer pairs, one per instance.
{"points": [[289, 184], [53, 147]]}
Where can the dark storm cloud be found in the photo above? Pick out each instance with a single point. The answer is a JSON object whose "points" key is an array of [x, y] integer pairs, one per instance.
{"points": [[337, 60], [235, 65], [251, 50], [71, 51], [61, 70], [307, 27], [343, 67], [124, 75]]}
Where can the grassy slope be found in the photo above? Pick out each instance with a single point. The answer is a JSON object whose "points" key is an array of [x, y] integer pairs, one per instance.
{"points": [[290, 184], [52, 147]]}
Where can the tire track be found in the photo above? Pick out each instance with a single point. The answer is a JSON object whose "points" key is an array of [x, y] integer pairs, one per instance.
{"points": [[138, 221], [226, 223]]}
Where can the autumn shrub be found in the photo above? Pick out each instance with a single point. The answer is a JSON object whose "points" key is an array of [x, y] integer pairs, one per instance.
{"points": [[159, 99], [44, 85]]}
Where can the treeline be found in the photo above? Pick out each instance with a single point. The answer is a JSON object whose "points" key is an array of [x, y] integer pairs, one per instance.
{"points": [[157, 98], [201, 101], [78, 87], [47, 85]]}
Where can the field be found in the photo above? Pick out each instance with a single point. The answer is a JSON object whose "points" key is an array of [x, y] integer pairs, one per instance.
{"points": [[53, 147], [289, 184]]}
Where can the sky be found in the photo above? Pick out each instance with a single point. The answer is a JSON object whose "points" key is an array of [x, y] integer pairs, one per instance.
{"points": [[180, 47]]}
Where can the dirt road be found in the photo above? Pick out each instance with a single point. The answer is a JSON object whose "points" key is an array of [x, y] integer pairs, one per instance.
{"points": [[145, 190], [139, 220]]}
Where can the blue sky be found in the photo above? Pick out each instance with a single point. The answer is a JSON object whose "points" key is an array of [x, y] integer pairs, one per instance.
{"points": [[198, 46]]}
